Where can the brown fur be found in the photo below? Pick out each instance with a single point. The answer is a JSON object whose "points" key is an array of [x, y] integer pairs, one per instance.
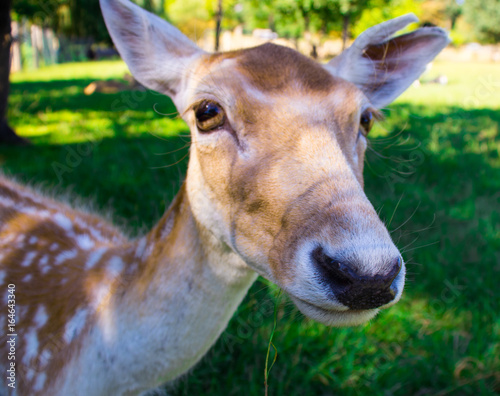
{"points": [[305, 132]]}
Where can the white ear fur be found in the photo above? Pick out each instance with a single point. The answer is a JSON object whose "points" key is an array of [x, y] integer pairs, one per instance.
{"points": [[382, 66], [157, 54]]}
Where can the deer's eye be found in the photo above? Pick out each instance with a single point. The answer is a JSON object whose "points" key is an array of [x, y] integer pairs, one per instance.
{"points": [[366, 121], [209, 116]]}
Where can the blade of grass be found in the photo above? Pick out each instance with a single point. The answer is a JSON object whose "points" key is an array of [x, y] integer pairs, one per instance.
{"points": [[266, 370]]}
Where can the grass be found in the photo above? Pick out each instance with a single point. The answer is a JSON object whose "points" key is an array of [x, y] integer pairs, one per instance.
{"points": [[434, 170]]}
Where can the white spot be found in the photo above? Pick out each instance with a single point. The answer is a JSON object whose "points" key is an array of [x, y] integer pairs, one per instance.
{"points": [[148, 252], [40, 317], [63, 221], [9, 238], [2, 276], [31, 350], [28, 259], [44, 213], [71, 254], [100, 295], [167, 229], [43, 263], [94, 257], [33, 240], [4, 201], [30, 373], [75, 325], [85, 242], [27, 278], [54, 247], [141, 246], [21, 313], [115, 266], [40, 382], [27, 210], [93, 231], [45, 357]]}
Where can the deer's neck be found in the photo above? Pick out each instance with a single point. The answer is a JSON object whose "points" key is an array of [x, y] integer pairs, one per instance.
{"points": [[161, 322]]}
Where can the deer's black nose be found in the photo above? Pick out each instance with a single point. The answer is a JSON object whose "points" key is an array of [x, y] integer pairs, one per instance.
{"points": [[353, 289]]}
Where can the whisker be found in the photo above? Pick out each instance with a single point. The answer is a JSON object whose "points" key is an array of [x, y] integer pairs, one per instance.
{"points": [[396, 208], [407, 220], [173, 151], [411, 243], [168, 166], [418, 247]]}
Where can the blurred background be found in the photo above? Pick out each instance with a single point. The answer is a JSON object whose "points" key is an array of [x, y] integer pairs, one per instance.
{"points": [[73, 119]]}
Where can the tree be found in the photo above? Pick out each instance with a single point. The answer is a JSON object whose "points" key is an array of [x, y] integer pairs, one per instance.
{"points": [[218, 21], [452, 11], [7, 135], [379, 11], [74, 18], [484, 17], [351, 11], [292, 18]]}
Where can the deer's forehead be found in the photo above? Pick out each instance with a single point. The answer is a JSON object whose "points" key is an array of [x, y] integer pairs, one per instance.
{"points": [[272, 69], [262, 80]]}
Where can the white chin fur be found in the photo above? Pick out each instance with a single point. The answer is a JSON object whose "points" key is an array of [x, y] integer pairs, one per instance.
{"points": [[335, 318]]}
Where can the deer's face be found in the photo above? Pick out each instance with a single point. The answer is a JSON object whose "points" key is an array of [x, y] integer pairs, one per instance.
{"points": [[276, 172], [278, 142]]}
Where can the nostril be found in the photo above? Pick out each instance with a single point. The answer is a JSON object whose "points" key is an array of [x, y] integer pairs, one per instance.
{"points": [[353, 289], [335, 272], [388, 279]]}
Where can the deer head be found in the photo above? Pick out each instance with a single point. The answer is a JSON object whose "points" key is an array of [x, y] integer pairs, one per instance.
{"points": [[278, 142]]}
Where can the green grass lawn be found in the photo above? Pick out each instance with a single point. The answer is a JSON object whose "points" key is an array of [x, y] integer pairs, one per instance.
{"points": [[433, 172]]}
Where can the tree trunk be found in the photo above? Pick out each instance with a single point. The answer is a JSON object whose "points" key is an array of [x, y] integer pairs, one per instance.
{"points": [[7, 135], [345, 30], [218, 21]]}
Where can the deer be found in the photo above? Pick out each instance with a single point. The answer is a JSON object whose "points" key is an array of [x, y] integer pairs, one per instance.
{"points": [[113, 86], [274, 187]]}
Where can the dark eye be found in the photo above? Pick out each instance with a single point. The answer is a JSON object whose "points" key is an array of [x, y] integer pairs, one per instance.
{"points": [[366, 121], [209, 116]]}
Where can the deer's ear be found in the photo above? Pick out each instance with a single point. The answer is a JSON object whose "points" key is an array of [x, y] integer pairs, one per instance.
{"points": [[382, 66], [156, 53]]}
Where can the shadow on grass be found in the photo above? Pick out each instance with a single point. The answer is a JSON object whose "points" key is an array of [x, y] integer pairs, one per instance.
{"points": [[58, 95], [447, 174], [135, 178]]}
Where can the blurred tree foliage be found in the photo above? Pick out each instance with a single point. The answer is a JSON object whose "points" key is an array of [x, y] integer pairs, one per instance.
{"points": [[292, 18], [289, 18], [484, 16], [7, 135], [382, 10], [73, 18]]}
